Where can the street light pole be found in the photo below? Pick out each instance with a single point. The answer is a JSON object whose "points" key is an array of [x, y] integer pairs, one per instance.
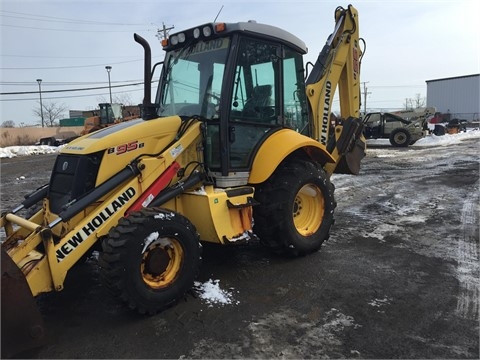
{"points": [[41, 105], [109, 68]]}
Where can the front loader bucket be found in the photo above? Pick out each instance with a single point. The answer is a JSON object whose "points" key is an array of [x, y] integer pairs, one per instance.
{"points": [[22, 323]]}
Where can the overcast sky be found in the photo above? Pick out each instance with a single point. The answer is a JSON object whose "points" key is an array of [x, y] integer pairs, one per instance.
{"points": [[68, 43]]}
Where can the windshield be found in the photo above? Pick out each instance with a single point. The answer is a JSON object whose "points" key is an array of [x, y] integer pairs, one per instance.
{"points": [[192, 79]]}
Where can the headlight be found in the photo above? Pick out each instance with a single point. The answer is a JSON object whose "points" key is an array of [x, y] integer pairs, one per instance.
{"points": [[174, 40], [207, 31], [181, 37], [196, 33]]}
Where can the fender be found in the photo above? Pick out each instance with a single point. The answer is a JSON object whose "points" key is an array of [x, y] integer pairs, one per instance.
{"points": [[278, 146]]}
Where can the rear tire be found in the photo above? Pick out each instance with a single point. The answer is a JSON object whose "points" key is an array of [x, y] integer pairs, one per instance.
{"points": [[151, 259], [296, 208], [400, 138]]}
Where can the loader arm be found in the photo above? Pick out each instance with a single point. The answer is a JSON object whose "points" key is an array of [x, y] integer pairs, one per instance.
{"points": [[338, 64]]}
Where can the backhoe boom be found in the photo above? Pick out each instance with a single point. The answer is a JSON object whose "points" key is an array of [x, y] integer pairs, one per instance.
{"points": [[338, 64]]}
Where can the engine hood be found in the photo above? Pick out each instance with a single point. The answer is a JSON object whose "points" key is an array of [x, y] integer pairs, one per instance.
{"points": [[150, 136], [118, 145]]}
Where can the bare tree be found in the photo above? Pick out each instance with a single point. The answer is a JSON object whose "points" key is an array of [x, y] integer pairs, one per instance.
{"points": [[8, 124], [122, 98], [419, 101], [408, 104], [414, 103], [51, 113]]}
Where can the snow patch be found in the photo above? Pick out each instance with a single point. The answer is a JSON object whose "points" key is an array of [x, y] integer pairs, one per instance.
{"points": [[163, 216], [319, 339], [199, 191], [244, 236], [14, 151], [381, 231], [468, 258], [154, 237], [380, 302], [432, 140], [211, 293], [149, 239], [427, 141], [412, 219]]}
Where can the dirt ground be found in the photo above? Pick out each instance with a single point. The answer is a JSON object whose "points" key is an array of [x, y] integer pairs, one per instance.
{"points": [[397, 279]]}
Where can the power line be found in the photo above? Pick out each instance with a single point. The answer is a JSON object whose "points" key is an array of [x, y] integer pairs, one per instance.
{"points": [[67, 57], [66, 90], [73, 30], [397, 86], [68, 67], [70, 97], [59, 19], [70, 90], [23, 83], [385, 101]]}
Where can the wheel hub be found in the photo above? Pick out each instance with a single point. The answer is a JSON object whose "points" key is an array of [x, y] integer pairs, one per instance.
{"points": [[162, 262], [297, 206], [157, 261], [308, 209]]}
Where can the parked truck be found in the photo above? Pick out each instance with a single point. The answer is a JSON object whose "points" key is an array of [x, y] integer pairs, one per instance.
{"points": [[402, 128]]}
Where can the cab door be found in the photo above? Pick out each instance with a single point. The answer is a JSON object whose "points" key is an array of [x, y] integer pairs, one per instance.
{"points": [[263, 91], [255, 108]]}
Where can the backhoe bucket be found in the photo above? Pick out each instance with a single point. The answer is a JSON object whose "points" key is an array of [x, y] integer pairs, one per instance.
{"points": [[351, 144], [350, 162], [22, 323]]}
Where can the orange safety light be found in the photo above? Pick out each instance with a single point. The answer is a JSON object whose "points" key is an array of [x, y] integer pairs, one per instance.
{"points": [[220, 27], [164, 42]]}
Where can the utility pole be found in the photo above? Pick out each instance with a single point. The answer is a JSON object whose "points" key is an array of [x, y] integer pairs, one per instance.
{"points": [[365, 93], [109, 68], [163, 33], [39, 81]]}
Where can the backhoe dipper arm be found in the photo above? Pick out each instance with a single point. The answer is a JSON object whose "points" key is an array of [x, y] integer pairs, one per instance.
{"points": [[338, 64]]}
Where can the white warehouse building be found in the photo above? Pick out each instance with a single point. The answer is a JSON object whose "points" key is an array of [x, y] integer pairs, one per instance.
{"points": [[458, 96]]}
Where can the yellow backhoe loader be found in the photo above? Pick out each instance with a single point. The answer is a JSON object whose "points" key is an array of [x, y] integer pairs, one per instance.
{"points": [[235, 133]]}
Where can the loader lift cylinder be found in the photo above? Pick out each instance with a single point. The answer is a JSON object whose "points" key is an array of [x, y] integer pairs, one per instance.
{"points": [[79, 205], [32, 198]]}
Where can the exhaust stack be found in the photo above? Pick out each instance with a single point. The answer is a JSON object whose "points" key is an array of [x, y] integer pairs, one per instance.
{"points": [[148, 109]]}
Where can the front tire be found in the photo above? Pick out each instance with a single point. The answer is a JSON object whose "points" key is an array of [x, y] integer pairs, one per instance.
{"points": [[151, 259], [400, 138], [296, 208]]}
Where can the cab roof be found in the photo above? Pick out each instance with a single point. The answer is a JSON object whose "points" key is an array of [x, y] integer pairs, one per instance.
{"points": [[250, 28]]}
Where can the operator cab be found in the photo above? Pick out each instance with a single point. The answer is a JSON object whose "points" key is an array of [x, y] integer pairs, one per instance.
{"points": [[243, 80], [107, 116]]}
